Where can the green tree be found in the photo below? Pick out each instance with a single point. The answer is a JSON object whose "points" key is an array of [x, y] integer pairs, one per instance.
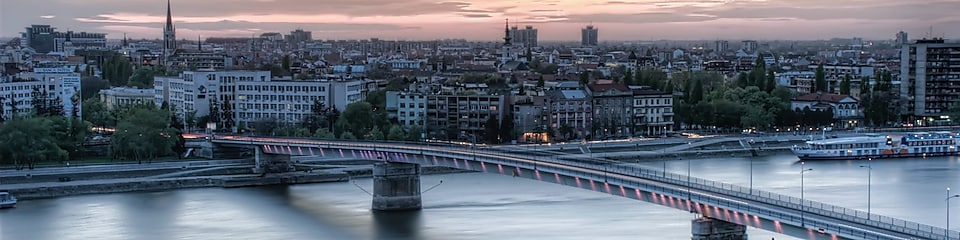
{"points": [[27, 141], [771, 81], [226, 115], [395, 133], [323, 133], [864, 86], [627, 77], [697, 94], [540, 82], [358, 117], [845, 85], [376, 134], [285, 63], [144, 134], [142, 78], [348, 136], [492, 129], [820, 82], [90, 87], [507, 127], [584, 78], [265, 126], [415, 134]]}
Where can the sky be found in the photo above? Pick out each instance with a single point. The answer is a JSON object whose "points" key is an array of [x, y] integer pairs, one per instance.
{"points": [[557, 20]]}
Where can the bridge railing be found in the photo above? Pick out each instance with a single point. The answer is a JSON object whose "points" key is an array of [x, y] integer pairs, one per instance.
{"points": [[679, 193], [807, 206]]}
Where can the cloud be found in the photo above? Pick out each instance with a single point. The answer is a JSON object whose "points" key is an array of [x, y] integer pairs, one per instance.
{"points": [[48, 16], [472, 15], [639, 18]]}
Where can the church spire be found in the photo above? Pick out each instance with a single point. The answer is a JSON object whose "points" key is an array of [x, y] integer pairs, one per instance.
{"points": [[506, 32], [169, 25]]}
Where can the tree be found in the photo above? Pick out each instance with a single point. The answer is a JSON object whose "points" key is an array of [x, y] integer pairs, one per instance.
{"points": [[540, 82], [742, 80], [376, 134], [697, 93], [492, 129], [864, 85], [358, 118], [529, 55], [395, 133], [264, 126], [584, 78], [144, 134], [820, 83], [845, 85], [226, 115], [91, 86], [142, 78], [28, 141], [285, 63], [323, 133], [566, 131], [627, 76], [348, 136], [38, 99], [771, 81], [507, 127]]}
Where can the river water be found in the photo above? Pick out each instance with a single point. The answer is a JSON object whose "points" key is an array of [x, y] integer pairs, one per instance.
{"points": [[477, 206]]}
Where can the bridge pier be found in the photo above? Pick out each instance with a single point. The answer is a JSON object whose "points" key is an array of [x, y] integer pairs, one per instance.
{"points": [[270, 163], [396, 186], [705, 228]]}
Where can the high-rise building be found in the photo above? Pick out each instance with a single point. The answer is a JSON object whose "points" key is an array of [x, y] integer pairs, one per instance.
{"points": [[526, 36], [902, 39], [300, 36], [588, 36], [169, 34], [749, 46], [60, 85], [39, 37], [721, 46], [927, 80]]}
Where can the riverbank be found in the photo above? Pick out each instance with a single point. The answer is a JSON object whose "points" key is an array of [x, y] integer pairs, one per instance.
{"points": [[49, 189]]}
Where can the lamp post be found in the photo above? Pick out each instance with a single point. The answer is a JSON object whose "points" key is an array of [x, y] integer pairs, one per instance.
{"points": [[869, 183], [947, 233], [688, 177], [802, 208], [751, 176]]}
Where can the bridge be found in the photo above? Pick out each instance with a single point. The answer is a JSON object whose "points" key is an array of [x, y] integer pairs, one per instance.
{"points": [[723, 210]]}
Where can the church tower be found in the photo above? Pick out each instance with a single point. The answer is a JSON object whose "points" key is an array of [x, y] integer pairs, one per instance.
{"points": [[507, 45], [169, 35]]}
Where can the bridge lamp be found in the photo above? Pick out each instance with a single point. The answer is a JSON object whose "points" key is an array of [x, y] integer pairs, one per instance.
{"points": [[802, 208], [948, 210], [869, 183]]}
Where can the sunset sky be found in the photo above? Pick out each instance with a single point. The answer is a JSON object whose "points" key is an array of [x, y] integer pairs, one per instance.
{"points": [[483, 19]]}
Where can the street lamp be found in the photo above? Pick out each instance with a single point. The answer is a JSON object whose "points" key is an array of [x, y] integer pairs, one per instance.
{"points": [[869, 183], [751, 176], [802, 209], [947, 233]]}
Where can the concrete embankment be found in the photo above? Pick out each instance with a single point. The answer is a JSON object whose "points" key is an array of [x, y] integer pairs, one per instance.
{"points": [[48, 189]]}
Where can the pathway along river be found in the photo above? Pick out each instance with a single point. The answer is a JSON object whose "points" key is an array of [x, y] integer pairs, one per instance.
{"points": [[476, 206]]}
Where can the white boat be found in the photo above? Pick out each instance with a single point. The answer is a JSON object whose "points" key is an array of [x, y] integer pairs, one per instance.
{"points": [[7, 200], [920, 144]]}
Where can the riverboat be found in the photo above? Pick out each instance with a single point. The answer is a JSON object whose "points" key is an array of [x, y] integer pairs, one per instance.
{"points": [[919, 144], [7, 200]]}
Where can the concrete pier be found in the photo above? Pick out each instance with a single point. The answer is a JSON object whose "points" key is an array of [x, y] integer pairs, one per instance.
{"points": [[271, 163], [396, 186], [705, 228]]}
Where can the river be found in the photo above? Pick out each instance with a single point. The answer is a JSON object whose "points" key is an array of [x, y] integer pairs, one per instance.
{"points": [[477, 206]]}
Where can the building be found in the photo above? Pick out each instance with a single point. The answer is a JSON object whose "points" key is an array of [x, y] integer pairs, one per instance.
{"points": [[570, 109], [410, 109], [461, 117], [846, 109], [530, 117], [169, 34], [798, 81], [526, 36], [749, 46], [928, 77], [721, 46], [38, 37], [299, 36], [902, 39], [201, 60], [652, 111], [589, 36], [60, 84], [120, 96], [612, 106], [45, 39], [253, 95]]}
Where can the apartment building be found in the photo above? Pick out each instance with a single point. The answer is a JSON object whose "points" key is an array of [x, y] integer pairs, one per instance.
{"points": [[612, 106], [121, 96], [929, 76], [653, 111], [60, 83]]}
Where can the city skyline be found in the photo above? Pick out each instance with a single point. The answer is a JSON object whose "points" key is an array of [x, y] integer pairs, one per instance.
{"points": [[557, 20]]}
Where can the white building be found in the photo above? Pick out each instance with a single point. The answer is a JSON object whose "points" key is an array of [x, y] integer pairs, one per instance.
{"points": [[59, 83], [121, 96], [410, 109], [253, 95]]}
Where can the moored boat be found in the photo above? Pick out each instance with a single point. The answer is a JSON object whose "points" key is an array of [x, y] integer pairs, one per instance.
{"points": [[920, 144], [7, 200]]}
